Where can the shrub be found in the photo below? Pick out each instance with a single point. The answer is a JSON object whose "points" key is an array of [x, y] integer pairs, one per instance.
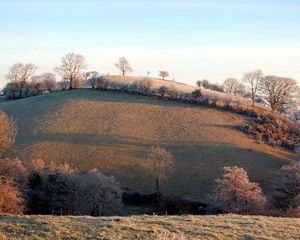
{"points": [[101, 193], [64, 84], [100, 83], [274, 130], [77, 82], [162, 90], [13, 168], [197, 94], [11, 199], [286, 190], [234, 193], [141, 87]]}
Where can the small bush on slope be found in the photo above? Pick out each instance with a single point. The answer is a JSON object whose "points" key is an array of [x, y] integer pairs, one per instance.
{"points": [[234, 193]]}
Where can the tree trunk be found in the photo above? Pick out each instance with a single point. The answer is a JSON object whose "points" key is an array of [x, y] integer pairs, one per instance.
{"points": [[157, 188], [71, 84]]}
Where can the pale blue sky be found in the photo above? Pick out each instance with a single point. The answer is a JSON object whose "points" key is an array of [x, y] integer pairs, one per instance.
{"points": [[192, 39]]}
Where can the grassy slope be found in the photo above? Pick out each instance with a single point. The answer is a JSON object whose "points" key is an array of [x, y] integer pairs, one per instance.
{"points": [[113, 132], [149, 227]]}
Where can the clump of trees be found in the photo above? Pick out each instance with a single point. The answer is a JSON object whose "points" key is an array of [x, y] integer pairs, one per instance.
{"points": [[23, 83], [56, 189], [18, 77], [45, 82], [234, 86], [62, 190], [235, 193], [207, 85], [279, 93], [137, 87]]}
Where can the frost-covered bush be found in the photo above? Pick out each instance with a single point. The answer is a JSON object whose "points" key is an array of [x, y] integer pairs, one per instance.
{"points": [[235, 193], [141, 87], [37, 86], [11, 199], [162, 90], [100, 83], [101, 193], [286, 190]]}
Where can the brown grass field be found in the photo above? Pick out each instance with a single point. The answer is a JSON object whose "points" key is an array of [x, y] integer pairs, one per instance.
{"points": [[114, 131], [150, 227]]}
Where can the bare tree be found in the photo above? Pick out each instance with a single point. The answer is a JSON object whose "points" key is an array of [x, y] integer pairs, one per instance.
{"points": [[235, 193], [123, 65], [164, 74], [198, 83], [252, 79], [8, 130], [18, 75], [205, 83], [161, 160], [279, 93], [233, 86], [71, 67]]}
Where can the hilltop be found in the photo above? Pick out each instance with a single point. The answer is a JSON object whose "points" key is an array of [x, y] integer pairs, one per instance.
{"points": [[113, 132], [149, 227]]}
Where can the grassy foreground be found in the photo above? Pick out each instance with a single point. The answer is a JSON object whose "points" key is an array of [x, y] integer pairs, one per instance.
{"points": [[149, 227]]}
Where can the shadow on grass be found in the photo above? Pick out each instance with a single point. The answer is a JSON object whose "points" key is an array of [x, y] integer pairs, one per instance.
{"points": [[195, 167]]}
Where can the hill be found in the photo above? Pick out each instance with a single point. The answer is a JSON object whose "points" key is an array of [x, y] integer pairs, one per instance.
{"points": [[113, 132], [149, 227]]}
